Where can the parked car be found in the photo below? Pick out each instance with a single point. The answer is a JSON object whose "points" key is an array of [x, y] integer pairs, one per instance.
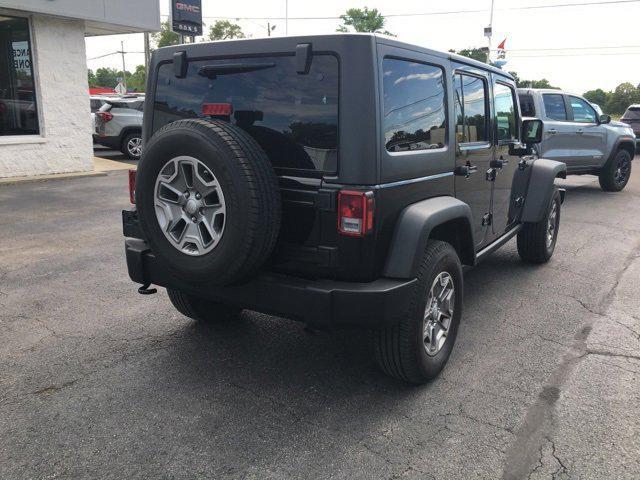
{"points": [[576, 135], [632, 118], [254, 192], [118, 125]]}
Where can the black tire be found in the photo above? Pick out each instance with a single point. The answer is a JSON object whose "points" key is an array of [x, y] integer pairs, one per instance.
{"points": [[400, 349], [124, 148], [200, 309], [616, 173], [251, 192], [533, 244]]}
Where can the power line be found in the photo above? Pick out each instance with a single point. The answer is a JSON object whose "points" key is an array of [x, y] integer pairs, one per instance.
{"points": [[426, 14]]}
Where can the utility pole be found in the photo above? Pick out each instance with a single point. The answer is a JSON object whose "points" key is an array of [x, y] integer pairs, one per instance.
{"points": [[147, 51], [124, 68], [268, 29], [286, 17], [489, 31]]}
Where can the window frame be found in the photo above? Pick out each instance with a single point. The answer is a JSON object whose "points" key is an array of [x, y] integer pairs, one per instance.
{"points": [[573, 117], [487, 110], [569, 118], [40, 135], [445, 107], [516, 114]]}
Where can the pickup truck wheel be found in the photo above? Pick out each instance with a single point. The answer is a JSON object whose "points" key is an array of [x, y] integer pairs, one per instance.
{"points": [[537, 241], [208, 201], [417, 349], [615, 174], [132, 146], [200, 309]]}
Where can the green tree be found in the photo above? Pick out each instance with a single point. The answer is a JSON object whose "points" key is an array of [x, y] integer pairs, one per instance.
{"points": [[91, 77], [107, 77], [137, 80], [225, 30], [598, 96], [363, 20], [479, 54], [166, 36], [624, 95], [521, 83]]}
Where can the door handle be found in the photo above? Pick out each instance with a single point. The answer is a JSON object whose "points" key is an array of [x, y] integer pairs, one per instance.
{"points": [[580, 132], [552, 131], [500, 163]]}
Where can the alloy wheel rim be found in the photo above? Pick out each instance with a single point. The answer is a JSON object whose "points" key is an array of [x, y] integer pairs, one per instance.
{"points": [[551, 224], [190, 206], [622, 171], [438, 313], [134, 146]]}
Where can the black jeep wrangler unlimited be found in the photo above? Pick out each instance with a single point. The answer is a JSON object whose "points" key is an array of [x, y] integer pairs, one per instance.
{"points": [[341, 180]]}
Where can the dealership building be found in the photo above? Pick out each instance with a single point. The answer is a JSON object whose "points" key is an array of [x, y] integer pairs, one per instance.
{"points": [[45, 121]]}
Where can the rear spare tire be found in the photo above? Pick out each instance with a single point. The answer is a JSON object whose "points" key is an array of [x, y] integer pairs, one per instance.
{"points": [[208, 201]]}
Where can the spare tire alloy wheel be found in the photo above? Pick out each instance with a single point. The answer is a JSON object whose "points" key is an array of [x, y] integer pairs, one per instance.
{"points": [[189, 205]]}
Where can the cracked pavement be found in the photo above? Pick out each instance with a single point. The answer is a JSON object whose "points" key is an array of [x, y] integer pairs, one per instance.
{"points": [[97, 381]]}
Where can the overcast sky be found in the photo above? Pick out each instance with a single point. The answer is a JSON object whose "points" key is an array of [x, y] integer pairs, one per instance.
{"points": [[575, 47]]}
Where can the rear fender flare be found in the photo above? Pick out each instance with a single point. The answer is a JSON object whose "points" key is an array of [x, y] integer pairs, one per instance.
{"points": [[414, 228], [541, 187]]}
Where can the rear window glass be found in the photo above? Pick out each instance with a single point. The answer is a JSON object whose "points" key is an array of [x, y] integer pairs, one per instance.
{"points": [[554, 106], [293, 117], [526, 105], [632, 114], [414, 106], [470, 108]]}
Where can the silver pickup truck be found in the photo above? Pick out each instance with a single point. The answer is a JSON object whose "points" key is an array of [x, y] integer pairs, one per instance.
{"points": [[574, 133]]}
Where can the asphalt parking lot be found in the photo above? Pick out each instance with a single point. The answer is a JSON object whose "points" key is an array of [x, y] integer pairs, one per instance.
{"points": [[97, 381]]}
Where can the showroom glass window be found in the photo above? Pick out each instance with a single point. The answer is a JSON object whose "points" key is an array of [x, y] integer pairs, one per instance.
{"points": [[18, 112]]}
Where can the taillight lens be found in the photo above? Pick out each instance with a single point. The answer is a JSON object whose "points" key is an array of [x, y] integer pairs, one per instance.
{"points": [[105, 116], [132, 186], [355, 212], [217, 109]]}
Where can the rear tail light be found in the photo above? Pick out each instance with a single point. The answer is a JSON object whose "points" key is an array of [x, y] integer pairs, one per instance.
{"points": [[355, 212], [105, 116], [217, 109], [132, 186]]}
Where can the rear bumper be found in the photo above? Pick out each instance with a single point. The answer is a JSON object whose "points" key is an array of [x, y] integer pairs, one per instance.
{"points": [[320, 303], [109, 142]]}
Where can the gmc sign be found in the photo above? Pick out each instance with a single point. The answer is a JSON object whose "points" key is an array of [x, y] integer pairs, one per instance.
{"points": [[186, 17]]}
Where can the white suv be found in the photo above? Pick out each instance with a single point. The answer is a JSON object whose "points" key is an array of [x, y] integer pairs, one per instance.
{"points": [[118, 125]]}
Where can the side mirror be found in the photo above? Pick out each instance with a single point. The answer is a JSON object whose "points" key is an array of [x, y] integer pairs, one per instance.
{"points": [[532, 131], [604, 119]]}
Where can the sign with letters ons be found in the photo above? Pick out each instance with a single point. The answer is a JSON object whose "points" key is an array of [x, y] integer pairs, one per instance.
{"points": [[186, 17]]}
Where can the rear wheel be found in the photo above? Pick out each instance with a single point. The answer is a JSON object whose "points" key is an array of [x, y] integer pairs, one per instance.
{"points": [[132, 145], [200, 309], [537, 241], [417, 349], [615, 174]]}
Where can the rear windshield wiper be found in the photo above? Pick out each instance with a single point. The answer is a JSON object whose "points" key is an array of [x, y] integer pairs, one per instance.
{"points": [[212, 71]]}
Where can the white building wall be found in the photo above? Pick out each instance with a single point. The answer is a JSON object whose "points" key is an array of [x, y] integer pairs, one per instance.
{"points": [[65, 142]]}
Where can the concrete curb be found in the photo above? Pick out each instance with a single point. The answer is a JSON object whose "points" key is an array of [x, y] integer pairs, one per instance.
{"points": [[46, 178]]}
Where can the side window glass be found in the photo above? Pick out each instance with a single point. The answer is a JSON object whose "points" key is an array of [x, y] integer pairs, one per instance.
{"points": [[554, 106], [470, 108], [582, 111], [505, 112], [527, 107], [414, 106]]}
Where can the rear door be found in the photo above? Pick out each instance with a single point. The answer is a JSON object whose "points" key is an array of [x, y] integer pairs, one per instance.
{"points": [[590, 138], [559, 134], [506, 133], [632, 118], [474, 146]]}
